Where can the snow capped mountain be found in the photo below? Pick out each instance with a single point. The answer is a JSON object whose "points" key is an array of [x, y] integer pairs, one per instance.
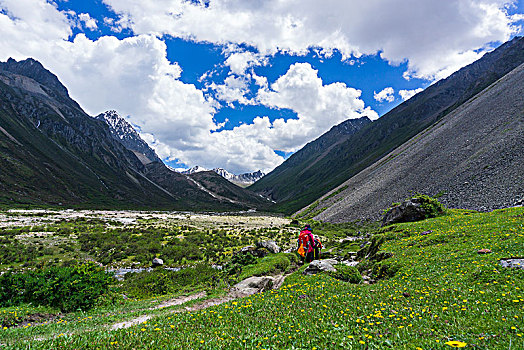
{"points": [[242, 180], [193, 170], [128, 136]]}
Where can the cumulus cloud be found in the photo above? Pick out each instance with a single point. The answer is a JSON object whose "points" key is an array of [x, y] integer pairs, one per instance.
{"points": [[134, 76], [88, 22], [435, 37], [238, 62], [234, 89], [407, 94], [385, 95]]}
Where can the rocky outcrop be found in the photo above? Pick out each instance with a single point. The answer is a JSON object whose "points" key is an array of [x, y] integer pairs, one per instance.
{"points": [[318, 266], [252, 285], [410, 210], [271, 246]]}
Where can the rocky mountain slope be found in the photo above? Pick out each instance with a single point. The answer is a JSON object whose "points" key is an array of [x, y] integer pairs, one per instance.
{"points": [[295, 184], [474, 156], [53, 153], [295, 180], [128, 136]]}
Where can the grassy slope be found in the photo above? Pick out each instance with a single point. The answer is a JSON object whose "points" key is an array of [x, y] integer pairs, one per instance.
{"points": [[454, 294]]}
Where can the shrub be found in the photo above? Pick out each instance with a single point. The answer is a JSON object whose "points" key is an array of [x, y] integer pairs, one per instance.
{"points": [[346, 273], [160, 281], [385, 269], [66, 288], [271, 264]]}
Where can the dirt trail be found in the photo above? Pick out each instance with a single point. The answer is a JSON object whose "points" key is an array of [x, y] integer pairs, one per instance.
{"points": [[232, 295], [177, 301]]}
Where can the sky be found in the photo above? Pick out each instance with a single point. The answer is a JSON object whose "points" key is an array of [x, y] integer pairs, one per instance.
{"points": [[243, 84]]}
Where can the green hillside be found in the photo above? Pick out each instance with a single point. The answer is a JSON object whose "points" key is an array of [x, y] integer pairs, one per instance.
{"points": [[435, 292]]}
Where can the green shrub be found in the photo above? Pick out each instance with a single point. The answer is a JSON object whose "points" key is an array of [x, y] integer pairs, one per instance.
{"points": [[160, 281], [385, 269], [346, 273], [66, 288], [431, 205], [271, 264]]}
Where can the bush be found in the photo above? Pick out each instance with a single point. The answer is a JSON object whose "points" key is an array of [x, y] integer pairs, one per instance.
{"points": [[385, 269], [160, 281], [66, 288], [271, 264], [431, 205], [346, 273]]}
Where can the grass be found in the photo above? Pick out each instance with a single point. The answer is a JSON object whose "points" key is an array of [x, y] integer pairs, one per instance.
{"points": [[270, 265], [443, 291]]}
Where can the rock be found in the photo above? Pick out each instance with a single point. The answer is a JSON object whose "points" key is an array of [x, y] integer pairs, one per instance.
{"points": [[317, 266], [410, 210], [252, 285], [249, 248], [157, 262], [350, 263], [515, 263], [484, 251], [269, 245], [426, 233], [406, 295]]}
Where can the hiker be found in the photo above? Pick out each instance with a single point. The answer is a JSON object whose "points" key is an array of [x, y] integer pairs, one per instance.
{"points": [[306, 244], [317, 247]]}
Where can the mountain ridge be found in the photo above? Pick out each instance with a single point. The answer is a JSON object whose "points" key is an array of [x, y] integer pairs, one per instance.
{"points": [[53, 153], [375, 140], [482, 169]]}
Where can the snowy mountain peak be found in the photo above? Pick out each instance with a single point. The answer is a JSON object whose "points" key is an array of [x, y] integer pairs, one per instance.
{"points": [[242, 180], [128, 136], [195, 169]]}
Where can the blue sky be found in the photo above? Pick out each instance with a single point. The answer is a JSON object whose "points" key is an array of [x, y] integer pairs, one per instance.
{"points": [[243, 84]]}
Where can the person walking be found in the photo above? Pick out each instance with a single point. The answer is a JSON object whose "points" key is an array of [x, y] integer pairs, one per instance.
{"points": [[307, 243]]}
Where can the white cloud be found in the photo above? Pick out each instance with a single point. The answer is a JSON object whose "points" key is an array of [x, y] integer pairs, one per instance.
{"points": [[435, 37], [134, 76], [318, 107], [88, 22], [407, 94], [234, 89], [238, 62], [385, 95]]}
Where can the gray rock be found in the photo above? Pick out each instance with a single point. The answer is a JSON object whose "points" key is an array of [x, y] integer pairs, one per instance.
{"points": [[252, 285], [350, 263], [157, 262], [410, 210], [515, 263], [269, 245], [318, 266]]}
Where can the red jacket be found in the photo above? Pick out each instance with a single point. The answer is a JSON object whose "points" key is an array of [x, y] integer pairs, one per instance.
{"points": [[307, 240]]}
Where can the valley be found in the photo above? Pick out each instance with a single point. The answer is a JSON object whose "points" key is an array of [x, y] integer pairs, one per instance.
{"points": [[436, 290]]}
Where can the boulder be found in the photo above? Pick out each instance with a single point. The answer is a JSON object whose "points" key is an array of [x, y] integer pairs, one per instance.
{"points": [[513, 263], [269, 245], [409, 210], [252, 285], [317, 266], [350, 263], [157, 262]]}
